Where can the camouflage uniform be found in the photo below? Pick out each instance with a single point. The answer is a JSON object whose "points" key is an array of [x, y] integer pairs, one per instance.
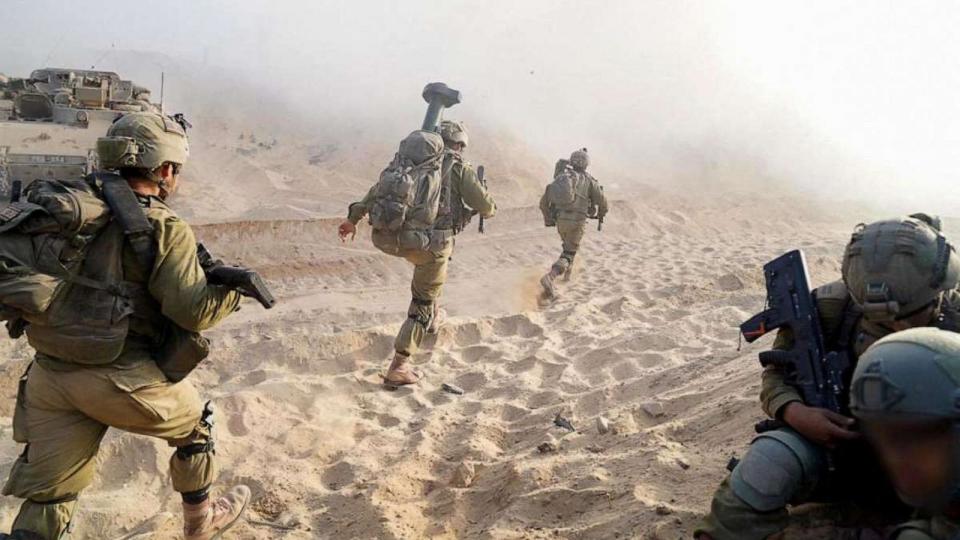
{"points": [[466, 197], [921, 367], [571, 221], [64, 409], [752, 502]]}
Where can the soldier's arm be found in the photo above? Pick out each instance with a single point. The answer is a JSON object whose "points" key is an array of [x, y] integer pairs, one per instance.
{"points": [[179, 284], [598, 199], [545, 208], [358, 210], [475, 195], [775, 393]]}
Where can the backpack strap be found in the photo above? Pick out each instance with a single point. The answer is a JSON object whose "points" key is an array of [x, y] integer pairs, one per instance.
{"points": [[124, 204], [848, 328], [446, 178]]}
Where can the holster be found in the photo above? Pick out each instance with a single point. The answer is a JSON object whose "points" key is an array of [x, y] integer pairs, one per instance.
{"points": [[181, 352]]}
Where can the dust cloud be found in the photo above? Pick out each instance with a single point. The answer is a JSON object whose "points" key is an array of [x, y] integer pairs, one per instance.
{"points": [[833, 99]]}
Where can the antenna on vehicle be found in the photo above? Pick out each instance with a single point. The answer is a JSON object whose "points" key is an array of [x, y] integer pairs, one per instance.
{"points": [[161, 91]]}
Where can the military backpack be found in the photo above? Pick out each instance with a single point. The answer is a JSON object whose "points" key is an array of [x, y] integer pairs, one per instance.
{"points": [[61, 268], [562, 192], [408, 191]]}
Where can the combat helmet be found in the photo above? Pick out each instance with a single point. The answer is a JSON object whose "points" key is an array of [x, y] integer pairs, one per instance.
{"points": [[898, 267], [454, 132], [912, 376], [580, 160], [143, 140]]}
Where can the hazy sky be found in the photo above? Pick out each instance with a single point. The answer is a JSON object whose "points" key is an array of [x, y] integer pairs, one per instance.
{"points": [[847, 98]]}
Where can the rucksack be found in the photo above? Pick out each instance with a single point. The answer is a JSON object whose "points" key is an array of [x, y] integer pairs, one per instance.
{"points": [[61, 268], [407, 195], [562, 192]]}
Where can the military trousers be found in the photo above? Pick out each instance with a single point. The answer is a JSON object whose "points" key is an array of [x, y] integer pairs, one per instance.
{"points": [[62, 417], [571, 233], [782, 469], [429, 276]]}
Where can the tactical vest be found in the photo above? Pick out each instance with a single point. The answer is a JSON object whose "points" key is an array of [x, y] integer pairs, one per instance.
{"points": [[61, 266]]}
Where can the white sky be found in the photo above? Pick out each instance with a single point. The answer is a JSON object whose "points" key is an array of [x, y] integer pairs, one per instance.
{"points": [[849, 98]]}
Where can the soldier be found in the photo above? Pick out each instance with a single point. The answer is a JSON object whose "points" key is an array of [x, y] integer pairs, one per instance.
{"points": [[904, 392], [462, 196], [897, 274], [572, 197], [65, 408]]}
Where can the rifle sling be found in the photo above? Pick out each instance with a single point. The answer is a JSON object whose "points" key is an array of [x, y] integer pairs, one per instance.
{"points": [[124, 204]]}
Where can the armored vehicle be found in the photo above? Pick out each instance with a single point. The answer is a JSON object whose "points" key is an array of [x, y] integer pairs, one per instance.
{"points": [[50, 121]]}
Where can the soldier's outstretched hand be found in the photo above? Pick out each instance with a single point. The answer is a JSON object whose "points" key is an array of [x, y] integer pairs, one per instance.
{"points": [[347, 229], [821, 426]]}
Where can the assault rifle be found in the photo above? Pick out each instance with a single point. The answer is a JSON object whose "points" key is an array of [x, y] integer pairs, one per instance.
{"points": [[243, 280], [820, 376], [483, 182]]}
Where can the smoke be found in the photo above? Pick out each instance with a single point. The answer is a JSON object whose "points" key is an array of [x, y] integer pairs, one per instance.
{"points": [[838, 99]]}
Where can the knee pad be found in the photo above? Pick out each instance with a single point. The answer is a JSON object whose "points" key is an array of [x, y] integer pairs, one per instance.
{"points": [[422, 312], [205, 426], [779, 466]]}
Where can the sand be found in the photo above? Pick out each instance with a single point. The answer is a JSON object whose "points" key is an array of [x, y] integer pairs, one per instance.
{"points": [[644, 335]]}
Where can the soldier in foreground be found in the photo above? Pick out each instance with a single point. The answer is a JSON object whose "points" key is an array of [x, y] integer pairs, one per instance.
{"points": [[897, 274], [425, 240], [567, 203], [904, 392], [110, 349]]}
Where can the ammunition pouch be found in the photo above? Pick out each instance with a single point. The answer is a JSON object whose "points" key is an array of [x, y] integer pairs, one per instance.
{"points": [[181, 352], [439, 239]]}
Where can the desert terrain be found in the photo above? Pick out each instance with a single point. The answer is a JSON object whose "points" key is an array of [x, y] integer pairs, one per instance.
{"points": [[643, 339]]}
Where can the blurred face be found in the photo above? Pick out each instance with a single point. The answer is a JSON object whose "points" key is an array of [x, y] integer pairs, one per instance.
{"points": [[921, 458]]}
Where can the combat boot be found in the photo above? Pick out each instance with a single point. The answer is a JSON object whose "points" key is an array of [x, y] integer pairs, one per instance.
{"points": [[211, 518], [439, 319], [401, 372], [547, 281]]}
